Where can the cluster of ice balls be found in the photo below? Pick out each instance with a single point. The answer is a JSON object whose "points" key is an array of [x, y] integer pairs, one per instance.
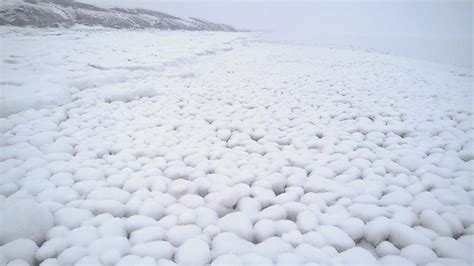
{"points": [[303, 172]]}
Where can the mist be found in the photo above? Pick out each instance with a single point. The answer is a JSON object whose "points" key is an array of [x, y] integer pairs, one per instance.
{"points": [[438, 31]]}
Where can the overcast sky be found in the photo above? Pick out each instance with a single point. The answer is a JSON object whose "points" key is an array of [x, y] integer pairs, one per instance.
{"points": [[441, 27], [411, 16]]}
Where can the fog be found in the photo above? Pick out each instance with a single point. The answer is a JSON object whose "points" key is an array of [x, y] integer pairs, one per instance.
{"points": [[439, 31]]}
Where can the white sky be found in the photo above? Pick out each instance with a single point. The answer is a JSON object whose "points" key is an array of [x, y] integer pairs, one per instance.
{"points": [[413, 16]]}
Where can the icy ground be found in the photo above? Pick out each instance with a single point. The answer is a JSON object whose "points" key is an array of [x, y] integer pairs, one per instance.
{"points": [[196, 148]]}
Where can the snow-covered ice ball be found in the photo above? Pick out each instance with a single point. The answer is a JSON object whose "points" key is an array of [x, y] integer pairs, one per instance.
{"points": [[85, 187], [367, 212], [155, 249], [354, 227], [112, 227], [193, 251], [191, 201], [238, 223], [377, 230], [111, 257], [133, 184], [205, 216], [230, 243], [289, 259], [62, 179], [88, 173], [152, 208], [109, 193], [105, 244], [396, 260], [57, 147], [52, 248], [264, 229], [20, 249], [400, 197], [294, 237], [386, 248], [71, 255], [274, 212], [180, 233], [18, 262], [254, 259], [89, 261], [82, 236], [433, 221], [336, 237], [110, 207], [418, 254], [357, 255], [249, 205], [71, 217], [18, 216], [228, 259], [58, 194], [447, 247], [402, 235], [306, 221], [273, 246], [188, 216], [57, 231], [168, 221], [147, 234], [411, 161]]}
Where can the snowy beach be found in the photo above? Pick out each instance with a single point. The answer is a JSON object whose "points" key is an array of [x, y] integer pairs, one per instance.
{"points": [[144, 147]]}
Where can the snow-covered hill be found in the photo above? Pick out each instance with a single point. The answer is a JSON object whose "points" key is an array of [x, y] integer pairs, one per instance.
{"points": [[59, 13]]}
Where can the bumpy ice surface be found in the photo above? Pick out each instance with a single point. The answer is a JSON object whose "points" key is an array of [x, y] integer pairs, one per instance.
{"points": [[193, 148]]}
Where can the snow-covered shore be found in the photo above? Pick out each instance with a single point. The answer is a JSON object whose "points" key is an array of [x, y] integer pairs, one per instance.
{"points": [[194, 148]]}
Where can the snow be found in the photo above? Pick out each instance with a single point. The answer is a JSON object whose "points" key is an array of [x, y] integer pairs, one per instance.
{"points": [[187, 148]]}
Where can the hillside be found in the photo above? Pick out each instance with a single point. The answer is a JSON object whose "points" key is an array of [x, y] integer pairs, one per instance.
{"points": [[66, 13]]}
